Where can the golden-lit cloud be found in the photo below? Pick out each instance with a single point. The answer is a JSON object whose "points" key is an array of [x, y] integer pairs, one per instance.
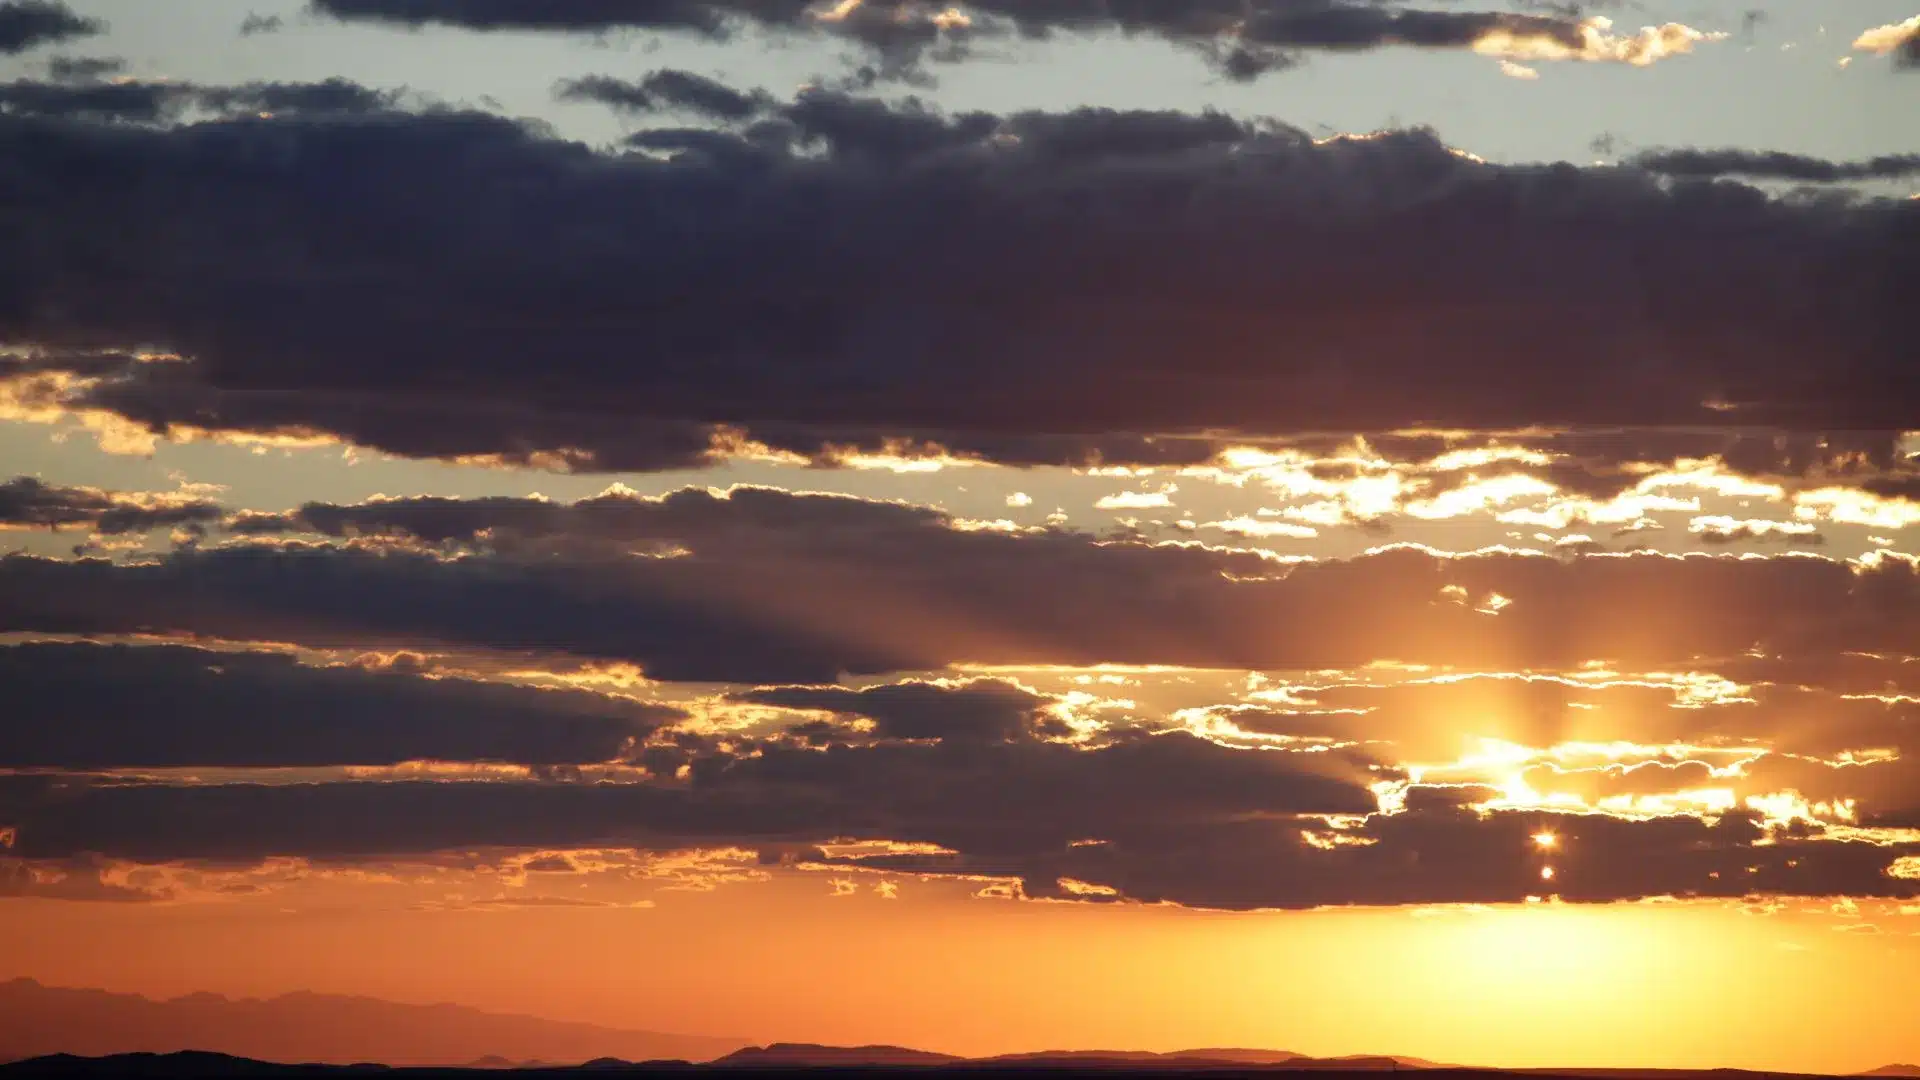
{"points": [[1849, 506], [56, 398], [1882, 40], [944, 18], [1262, 528], [1721, 528], [1137, 500], [1598, 42], [1479, 496]]}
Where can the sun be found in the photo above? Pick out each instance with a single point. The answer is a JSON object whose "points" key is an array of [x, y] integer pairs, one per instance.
{"points": [[1546, 841]]}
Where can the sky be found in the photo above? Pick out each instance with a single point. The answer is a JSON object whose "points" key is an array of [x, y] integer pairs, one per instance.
{"points": [[1316, 524]]}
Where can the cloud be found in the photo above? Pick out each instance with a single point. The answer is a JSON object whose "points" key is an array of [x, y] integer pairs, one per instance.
{"points": [[84, 98], [1773, 165], [620, 522], [331, 96], [1566, 476], [979, 710], [1445, 855], [73, 706], [1262, 529], [734, 587], [1721, 529], [83, 68], [1512, 36], [1518, 71], [974, 778], [1172, 819], [1591, 40], [1721, 734], [129, 101], [1013, 797], [1902, 39], [698, 16], [79, 877], [1242, 40], [256, 23], [27, 502], [996, 360], [26, 24], [667, 90], [1133, 500]]}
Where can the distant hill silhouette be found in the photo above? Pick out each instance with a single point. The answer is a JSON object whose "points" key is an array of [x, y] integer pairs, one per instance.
{"points": [[808, 1055], [96, 1033], [802, 1060], [179, 1063], [811, 1055], [495, 1061], [300, 1027], [1894, 1070], [1223, 1055]]}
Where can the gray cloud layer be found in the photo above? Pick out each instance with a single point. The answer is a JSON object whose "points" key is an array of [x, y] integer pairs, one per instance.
{"points": [[1774, 165], [104, 707], [26, 24], [767, 586], [27, 502], [1175, 820], [845, 270], [81, 96], [1242, 38], [973, 767]]}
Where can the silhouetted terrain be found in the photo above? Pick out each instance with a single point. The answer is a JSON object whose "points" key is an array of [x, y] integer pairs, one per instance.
{"points": [[40, 1020], [815, 1061], [54, 1031], [810, 1055]]}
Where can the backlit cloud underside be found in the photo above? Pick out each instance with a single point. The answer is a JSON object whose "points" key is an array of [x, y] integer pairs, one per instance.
{"points": [[1708, 724]]}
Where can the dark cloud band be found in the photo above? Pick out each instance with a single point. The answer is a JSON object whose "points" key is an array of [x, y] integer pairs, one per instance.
{"points": [[765, 586], [1205, 845], [29, 503], [844, 268], [109, 707], [1243, 38], [1774, 165], [26, 24]]}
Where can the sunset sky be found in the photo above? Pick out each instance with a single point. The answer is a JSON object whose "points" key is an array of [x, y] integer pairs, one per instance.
{"points": [[1345, 526]]}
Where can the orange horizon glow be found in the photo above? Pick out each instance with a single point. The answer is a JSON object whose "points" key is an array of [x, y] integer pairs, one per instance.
{"points": [[1534, 985]]}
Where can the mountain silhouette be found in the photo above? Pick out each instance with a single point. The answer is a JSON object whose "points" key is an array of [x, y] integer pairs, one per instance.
{"points": [[307, 1027], [802, 1059], [811, 1055], [1223, 1056], [54, 1030]]}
